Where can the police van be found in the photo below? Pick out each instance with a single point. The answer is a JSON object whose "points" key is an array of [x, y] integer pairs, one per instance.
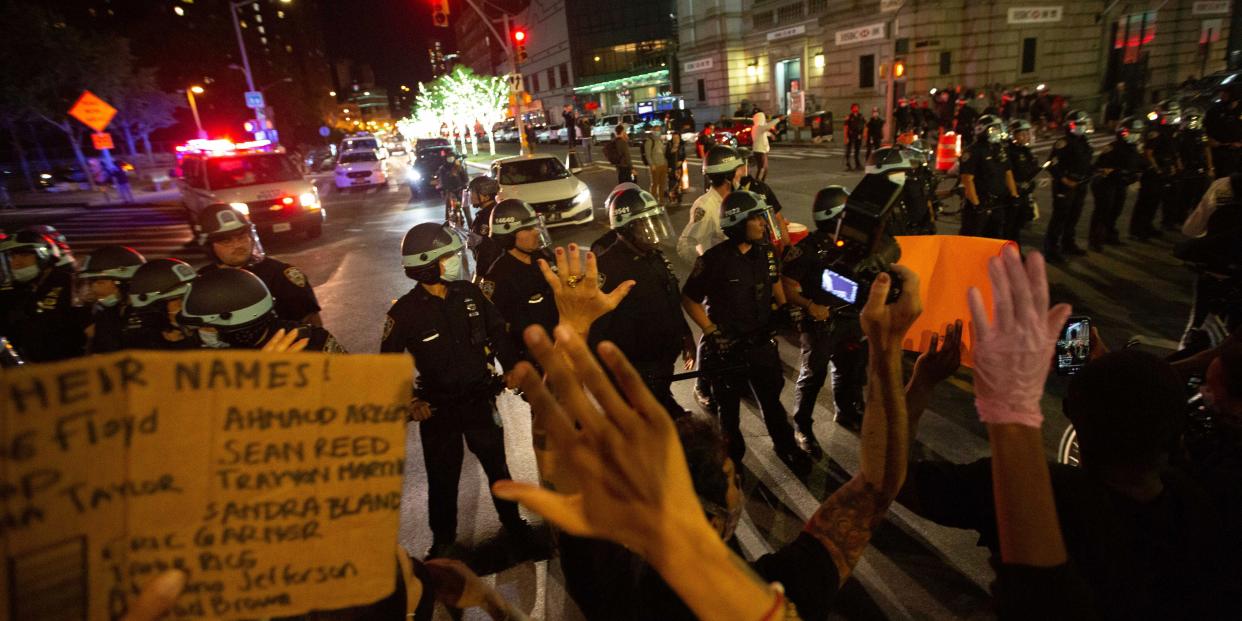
{"points": [[254, 178]]}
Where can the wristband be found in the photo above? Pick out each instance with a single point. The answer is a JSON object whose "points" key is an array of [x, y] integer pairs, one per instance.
{"points": [[997, 413], [778, 605]]}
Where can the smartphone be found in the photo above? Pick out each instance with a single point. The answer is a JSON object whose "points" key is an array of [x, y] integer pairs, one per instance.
{"points": [[839, 286], [1074, 345]]}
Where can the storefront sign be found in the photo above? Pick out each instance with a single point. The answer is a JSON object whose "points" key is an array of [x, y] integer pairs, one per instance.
{"points": [[874, 32], [701, 64], [785, 33], [1035, 14], [1211, 8]]}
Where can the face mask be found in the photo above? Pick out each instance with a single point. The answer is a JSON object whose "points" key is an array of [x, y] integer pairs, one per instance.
{"points": [[211, 339], [26, 274], [109, 301], [897, 177], [451, 268]]}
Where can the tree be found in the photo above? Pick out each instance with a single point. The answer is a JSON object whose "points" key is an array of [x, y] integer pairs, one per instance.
{"points": [[143, 108], [461, 99]]}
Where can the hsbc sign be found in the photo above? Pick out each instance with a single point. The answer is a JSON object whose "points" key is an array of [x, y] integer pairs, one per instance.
{"points": [[863, 34]]}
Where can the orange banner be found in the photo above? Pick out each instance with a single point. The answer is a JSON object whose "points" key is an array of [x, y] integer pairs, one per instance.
{"points": [[948, 266]]}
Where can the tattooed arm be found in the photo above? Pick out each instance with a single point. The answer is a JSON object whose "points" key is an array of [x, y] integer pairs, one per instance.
{"points": [[844, 523]]}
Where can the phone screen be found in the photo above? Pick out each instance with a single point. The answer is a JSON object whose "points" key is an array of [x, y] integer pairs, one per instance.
{"points": [[1074, 345], [840, 286]]}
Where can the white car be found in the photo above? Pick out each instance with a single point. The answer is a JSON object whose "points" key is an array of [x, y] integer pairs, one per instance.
{"points": [[606, 128], [542, 180], [361, 168], [356, 143]]}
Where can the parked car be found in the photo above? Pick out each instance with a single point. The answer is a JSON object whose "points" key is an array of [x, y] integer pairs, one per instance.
{"points": [[737, 130], [548, 134], [361, 168], [542, 180], [605, 128]]}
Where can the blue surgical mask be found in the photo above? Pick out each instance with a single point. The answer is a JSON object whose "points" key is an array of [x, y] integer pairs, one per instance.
{"points": [[451, 269]]}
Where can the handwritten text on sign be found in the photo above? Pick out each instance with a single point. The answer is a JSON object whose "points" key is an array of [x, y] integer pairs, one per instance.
{"points": [[272, 480], [860, 35]]}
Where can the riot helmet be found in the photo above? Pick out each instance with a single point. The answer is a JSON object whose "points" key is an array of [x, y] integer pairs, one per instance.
{"points": [[112, 262], [991, 127], [513, 215], [1192, 119], [222, 228], [159, 280], [1131, 129], [43, 249], [829, 204], [231, 305], [721, 164], [1169, 112], [1020, 131], [737, 209], [482, 189], [636, 215], [1077, 122], [62, 244], [434, 253]]}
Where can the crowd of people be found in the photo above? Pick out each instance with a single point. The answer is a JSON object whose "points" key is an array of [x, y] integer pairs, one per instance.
{"points": [[644, 494]]}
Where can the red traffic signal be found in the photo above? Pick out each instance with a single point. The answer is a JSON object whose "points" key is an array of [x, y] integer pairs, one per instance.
{"points": [[519, 36], [519, 45]]}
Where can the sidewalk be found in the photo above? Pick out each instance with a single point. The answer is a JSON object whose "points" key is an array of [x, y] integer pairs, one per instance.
{"points": [[86, 198]]}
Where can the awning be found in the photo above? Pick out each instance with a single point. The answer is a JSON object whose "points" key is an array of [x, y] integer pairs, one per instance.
{"points": [[610, 83]]}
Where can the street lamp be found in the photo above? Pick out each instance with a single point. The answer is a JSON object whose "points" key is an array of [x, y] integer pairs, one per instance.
{"points": [[189, 94]]}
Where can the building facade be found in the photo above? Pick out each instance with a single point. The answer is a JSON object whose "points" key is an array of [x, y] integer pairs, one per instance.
{"points": [[838, 52]]}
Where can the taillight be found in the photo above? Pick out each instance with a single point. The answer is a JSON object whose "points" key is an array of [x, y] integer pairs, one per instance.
{"points": [[288, 200]]}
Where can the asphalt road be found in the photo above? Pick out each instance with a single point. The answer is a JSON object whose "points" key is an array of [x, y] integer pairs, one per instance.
{"points": [[913, 569]]}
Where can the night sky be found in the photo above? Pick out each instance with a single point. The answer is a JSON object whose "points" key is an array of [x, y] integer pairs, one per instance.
{"points": [[390, 35]]}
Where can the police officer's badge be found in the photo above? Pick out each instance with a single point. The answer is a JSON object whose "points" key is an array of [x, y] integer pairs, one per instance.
{"points": [[295, 276], [699, 214], [487, 287], [388, 324]]}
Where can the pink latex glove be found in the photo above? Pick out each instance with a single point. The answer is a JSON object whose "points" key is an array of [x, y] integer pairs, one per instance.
{"points": [[1014, 353]]}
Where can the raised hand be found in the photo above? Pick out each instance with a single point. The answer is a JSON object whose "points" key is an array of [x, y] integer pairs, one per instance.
{"points": [[886, 324], [576, 289], [285, 342], [157, 597], [943, 356]]}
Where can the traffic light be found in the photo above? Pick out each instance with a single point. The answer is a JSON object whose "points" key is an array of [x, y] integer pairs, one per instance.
{"points": [[899, 69], [519, 45], [440, 13]]}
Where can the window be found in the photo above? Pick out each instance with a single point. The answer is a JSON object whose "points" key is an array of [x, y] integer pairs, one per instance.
{"points": [[763, 20], [866, 71], [817, 6], [702, 90], [946, 63], [789, 13], [538, 84], [564, 74], [1028, 55], [551, 78]]}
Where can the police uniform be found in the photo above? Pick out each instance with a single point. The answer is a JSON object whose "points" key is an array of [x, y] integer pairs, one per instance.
{"points": [[915, 204], [485, 249], [292, 292], [987, 162], [146, 331], [1223, 123], [318, 338], [737, 291], [39, 318], [1156, 183], [453, 341], [837, 340], [1192, 148], [648, 326], [1120, 165], [875, 134], [854, 124], [1025, 169], [522, 296], [1070, 159], [109, 327]]}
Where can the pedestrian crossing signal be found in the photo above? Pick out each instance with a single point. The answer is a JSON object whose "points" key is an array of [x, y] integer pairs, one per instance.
{"points": [[899, 69], [440, 13]]}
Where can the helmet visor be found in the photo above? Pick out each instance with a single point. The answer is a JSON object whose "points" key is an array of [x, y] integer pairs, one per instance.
{"points": [[778, 233], [457, 265], [532, 236], [653, 227]]}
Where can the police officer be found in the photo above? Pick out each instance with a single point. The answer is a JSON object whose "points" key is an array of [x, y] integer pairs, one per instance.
{"points": [[156, 291], [514, 282], [648, 325], [453, 333], [107, 272], [913, 214], [483, 191], [987, 178], [1163, 166], [231, 307], [67, 262], [853, 128], [36, 300], [1196, 157], [730, 295], [230, 240], [1223, 123], [723, 168], [1025, 168], [1070, 165], [1118, 166], [831, 331]]}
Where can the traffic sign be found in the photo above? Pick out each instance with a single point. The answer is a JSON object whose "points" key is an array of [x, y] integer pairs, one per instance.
{"points": [[94, 112], [254, 99], [102, 140]]}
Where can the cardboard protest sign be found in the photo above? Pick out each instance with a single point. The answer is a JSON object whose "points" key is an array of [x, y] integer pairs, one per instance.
{"points": [[948, 266], [272, 480]]}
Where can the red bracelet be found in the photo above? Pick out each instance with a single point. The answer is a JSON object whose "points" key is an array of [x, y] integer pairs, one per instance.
{"points": [[777, 605]]}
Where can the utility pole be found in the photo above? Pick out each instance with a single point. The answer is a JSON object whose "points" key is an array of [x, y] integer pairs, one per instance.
{"points": [[514, 78]]}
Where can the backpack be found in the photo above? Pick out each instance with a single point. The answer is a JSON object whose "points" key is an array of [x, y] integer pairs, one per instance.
{"points": [[610, 152]]}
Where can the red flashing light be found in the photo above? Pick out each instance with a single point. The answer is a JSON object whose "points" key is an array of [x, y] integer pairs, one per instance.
{"points": [[519, 36]]}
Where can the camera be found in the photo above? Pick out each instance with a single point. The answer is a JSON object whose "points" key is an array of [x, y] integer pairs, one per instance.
{"points": [[864, 246]]}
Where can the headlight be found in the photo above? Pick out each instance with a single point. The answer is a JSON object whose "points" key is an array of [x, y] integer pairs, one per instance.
{"points": [[241, 207], [583, 197], [45, 176], [309, 200], [415, 175]]}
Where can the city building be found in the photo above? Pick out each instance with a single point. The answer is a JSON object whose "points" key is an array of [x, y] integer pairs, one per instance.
{"points": [[477, 46], [624, 55], [826, 54]]}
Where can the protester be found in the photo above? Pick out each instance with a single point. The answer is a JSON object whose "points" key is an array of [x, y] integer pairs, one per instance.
{"points": [[653, 152], [625, 160]]}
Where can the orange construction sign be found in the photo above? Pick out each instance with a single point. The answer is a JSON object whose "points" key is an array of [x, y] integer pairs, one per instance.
{"points": [[94, 112], [102, 140], [948, 266]]}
